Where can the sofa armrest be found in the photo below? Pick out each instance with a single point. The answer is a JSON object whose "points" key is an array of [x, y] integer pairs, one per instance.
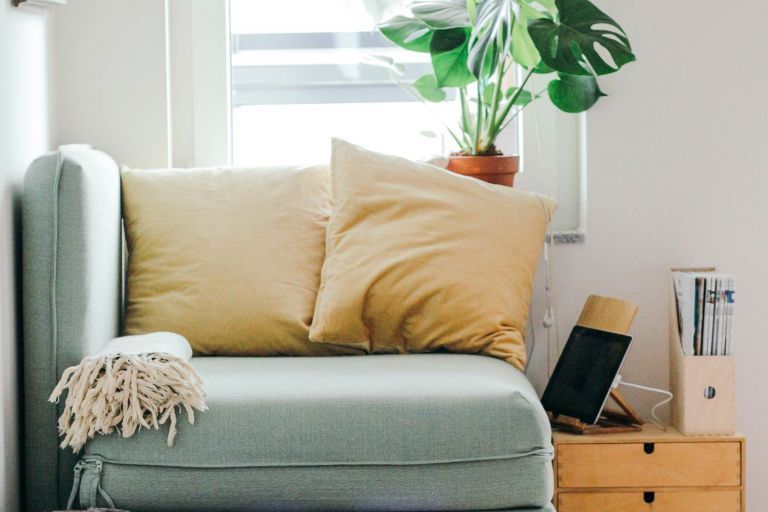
{"points": [[72, 275]]}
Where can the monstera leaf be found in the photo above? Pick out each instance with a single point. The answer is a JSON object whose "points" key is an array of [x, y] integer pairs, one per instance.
{"points": [[546, 7], [523, 49], [442, 14], [477, 41], [491, 35], [409, 33], [522, 98], [427, 88], [574, 93], [570, 43], [449, 57]]}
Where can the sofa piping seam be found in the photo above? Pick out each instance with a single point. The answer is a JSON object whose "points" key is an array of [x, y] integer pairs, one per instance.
{"points": [[543, 453], [53, 292]]}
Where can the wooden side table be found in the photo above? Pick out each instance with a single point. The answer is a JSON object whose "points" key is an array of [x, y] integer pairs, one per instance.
{"points": [[649, 471]]}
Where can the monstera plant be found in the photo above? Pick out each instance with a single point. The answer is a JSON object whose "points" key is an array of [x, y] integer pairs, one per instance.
{"points": [[477, 46]]}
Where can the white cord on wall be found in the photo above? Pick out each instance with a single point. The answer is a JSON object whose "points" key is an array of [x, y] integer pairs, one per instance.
{"points": [[549, 321], [549, 310]]}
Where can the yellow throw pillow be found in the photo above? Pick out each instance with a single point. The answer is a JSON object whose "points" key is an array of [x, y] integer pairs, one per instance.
{"points": [[228, 258], [419, 259]]}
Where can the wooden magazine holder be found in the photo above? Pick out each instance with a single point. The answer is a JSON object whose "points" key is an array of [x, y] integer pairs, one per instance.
{"points": [[695, 411], [612, 315]]}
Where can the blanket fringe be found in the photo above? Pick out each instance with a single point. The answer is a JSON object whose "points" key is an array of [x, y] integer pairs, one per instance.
{"points": [[126, 392]]}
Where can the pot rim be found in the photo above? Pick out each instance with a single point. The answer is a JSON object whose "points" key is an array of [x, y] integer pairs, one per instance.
{"points": [[483, 156], [484, 165]]}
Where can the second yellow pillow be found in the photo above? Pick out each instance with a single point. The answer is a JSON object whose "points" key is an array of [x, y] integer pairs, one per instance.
{"points": [[419, 259]]}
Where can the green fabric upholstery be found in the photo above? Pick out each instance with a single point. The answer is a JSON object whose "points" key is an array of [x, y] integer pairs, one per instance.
{"points": [[395, 432], [429, 432], [484, 485], [71, 258]]}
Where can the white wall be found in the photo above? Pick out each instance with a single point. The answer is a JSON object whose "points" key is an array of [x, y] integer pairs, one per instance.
{"points": [[678, 176], [111, 87], [678, 166], [24, 134]]}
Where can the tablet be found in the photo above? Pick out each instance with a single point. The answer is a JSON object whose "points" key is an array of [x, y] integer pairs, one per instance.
{"points": [[585, 372]]}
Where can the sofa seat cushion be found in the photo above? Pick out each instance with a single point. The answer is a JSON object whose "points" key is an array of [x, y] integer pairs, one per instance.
{"points": [[356, 410]]}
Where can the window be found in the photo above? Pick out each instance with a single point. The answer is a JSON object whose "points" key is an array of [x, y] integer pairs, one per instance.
{"points": [[299, 80], [271, 82]]}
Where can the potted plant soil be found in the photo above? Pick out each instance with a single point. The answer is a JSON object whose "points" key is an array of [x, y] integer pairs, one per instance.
{"points": [[477, 47]]}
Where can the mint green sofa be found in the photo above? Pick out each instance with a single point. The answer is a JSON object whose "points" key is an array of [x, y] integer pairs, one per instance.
{"points": [[407, 432]]}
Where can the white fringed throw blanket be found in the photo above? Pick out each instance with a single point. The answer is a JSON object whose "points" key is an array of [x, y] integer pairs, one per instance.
{"points": [[134, 382]]}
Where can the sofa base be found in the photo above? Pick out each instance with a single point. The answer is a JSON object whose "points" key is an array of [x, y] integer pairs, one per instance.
{"points": [[523, 483]]}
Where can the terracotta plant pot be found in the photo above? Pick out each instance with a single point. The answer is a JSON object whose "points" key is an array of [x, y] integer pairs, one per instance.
{"points": [[499, 170]]}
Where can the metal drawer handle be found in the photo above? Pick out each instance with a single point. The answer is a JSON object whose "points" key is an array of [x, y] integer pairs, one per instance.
{"points": [[649, 448], [649, 497]]}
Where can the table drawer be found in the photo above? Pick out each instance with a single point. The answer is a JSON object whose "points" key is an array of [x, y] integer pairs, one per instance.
{"points": [[663, 501], [642, 465]]}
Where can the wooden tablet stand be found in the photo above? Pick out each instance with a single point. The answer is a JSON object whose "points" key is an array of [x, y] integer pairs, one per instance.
{"points": [[612, 315]]}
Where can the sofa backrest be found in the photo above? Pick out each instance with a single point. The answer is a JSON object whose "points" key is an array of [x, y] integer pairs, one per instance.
{"points": [[72, 281]]}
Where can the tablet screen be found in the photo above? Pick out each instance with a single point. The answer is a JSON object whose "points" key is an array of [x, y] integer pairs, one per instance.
{"points": [[583, 376]]}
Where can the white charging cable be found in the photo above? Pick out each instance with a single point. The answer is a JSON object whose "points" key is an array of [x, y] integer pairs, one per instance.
{"points": [[549, 309], [550, 321], [668, 398], [549, 315]]}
